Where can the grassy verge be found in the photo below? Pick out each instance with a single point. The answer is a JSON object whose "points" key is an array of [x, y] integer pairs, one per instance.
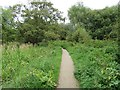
{"points": [[95, 64], [30, 67]]}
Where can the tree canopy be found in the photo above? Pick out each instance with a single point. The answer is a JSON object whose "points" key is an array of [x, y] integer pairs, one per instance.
{"points": [[40, 21], [34, 22], [100, 24]]}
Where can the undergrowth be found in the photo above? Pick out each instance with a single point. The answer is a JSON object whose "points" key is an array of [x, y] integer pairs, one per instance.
{"points": [[30, 66], [96, 65]]}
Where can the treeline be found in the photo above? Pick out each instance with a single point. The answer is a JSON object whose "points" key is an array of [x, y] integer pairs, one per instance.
{"points": [[100, 24], [40, 21]]}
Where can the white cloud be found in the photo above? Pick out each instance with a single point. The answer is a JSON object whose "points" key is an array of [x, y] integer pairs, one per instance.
{"points": [[11, 2], [99, 4]]}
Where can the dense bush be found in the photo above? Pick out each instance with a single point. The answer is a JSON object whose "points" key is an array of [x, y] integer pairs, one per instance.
{"points": [[81, 36], [95, 67]]}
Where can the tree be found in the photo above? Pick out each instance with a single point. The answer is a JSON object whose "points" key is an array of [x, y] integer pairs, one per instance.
{"points": [[8, 29], [100, 24], [38, 20]]}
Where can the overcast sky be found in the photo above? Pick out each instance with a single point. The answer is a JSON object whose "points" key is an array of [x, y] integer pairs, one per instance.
{"points": [[64, 5]]}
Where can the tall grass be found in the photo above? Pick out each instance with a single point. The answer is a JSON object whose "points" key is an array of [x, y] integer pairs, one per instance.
{"points": [[30, 66], [38, 66]]}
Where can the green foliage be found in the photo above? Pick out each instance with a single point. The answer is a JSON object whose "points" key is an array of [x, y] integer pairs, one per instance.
{"points": [[80, 35], [8, 30], [95, 65], [51, 35], [101, 24], [96, 62], [39, 22], [32, 23], [30, 67], [63, 44]]}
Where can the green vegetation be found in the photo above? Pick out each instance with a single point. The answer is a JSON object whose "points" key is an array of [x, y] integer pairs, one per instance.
{"points": [[40, 21], [32, 36], [30, 67], [95, 64], [100, 24]]}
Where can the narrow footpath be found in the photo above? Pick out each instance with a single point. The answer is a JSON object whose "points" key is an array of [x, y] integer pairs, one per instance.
{"points": [[66, 76]]}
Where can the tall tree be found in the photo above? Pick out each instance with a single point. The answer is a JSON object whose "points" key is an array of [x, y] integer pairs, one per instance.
{"points": [[100, 24], [38, 20]]}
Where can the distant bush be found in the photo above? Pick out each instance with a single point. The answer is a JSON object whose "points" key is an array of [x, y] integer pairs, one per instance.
{"points": [[63, 44], [80, 35]]}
